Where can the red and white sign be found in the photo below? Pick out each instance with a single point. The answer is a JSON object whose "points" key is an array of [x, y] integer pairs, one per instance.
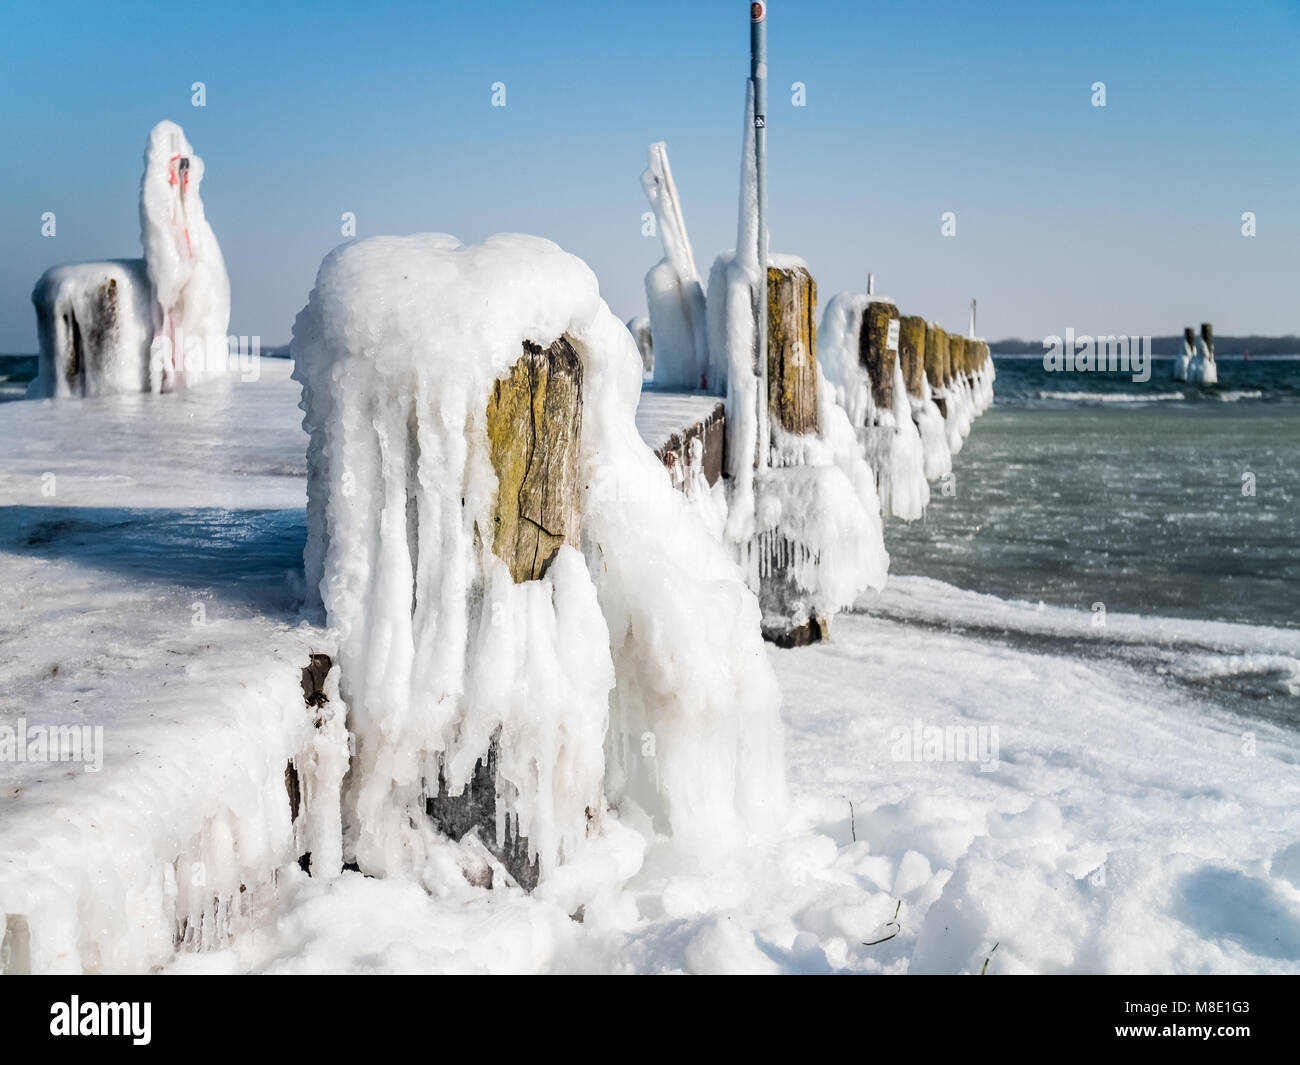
{"points": [[757, 11]]}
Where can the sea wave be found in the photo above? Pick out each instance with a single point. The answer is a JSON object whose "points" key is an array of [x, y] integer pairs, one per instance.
{"points": [[1112, 397], [1228, 396]]}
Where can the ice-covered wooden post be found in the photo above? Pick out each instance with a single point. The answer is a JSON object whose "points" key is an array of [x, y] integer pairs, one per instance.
{"points": [[92, 323], [792, 407], [1201, 369], [933, 361], [879, 350], [468, 411], [957, 353], [792, 349], [911, 351], [534, 429]]}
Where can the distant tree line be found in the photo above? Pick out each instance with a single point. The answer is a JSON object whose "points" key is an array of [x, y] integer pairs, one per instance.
{"points": [[1172, 345]]}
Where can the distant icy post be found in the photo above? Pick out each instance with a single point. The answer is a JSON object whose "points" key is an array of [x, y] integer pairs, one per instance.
{"points": [[1183, 358], [819, 541], [191, 292], [673, 292], [937, 459], [640, 330], [860, 345], [1201, 370], [93, 327], [541, 691]]}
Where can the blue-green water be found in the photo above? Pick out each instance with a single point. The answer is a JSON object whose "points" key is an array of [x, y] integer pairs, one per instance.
{"points": [[1157, 498]]}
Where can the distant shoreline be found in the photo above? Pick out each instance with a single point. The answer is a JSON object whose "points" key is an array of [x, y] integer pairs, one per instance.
{"points": [[1168, 346]]}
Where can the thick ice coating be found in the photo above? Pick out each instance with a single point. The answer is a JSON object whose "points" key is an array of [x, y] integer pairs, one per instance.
{"points": [[674, 295], [632, 671], [191, 292], [92, 321]]}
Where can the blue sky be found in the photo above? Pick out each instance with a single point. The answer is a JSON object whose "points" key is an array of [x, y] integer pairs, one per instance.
{"points": [[1123, 219]]}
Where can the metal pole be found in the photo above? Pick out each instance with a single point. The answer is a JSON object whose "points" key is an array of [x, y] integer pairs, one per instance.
{"points": [[758, 76]]}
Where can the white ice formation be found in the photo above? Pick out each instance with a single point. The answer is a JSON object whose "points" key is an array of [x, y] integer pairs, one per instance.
{"points": [[134, 325], [644, 629], [673, 291]]}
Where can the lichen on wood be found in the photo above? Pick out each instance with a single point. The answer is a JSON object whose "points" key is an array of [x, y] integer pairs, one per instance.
{"points": [[933, 358], [874, 353], [792, 349], [534, 423], [957, 349], [911, 351]]}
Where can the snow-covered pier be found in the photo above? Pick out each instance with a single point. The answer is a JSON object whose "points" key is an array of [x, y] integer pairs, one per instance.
{"points": [[825, 436]]}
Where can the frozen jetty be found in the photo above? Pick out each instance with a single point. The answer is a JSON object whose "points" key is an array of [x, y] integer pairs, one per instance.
{"points": [[824, 437], [160, 601]]}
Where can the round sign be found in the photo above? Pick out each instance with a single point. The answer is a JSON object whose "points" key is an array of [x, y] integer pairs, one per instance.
{"points": [[757, 10]]}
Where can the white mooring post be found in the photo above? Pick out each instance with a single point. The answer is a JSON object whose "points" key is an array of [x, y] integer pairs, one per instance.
{"points": [[758, 77], [972, 320]]}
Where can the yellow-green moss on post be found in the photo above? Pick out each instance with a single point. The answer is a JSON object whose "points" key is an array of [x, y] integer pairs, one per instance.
{"points": [[874, 353], [911, 351], [933, 355], [534, 425], [957, 346], [792, 349]]}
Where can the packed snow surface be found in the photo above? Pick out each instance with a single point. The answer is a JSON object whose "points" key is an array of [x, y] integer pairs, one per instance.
{"points": [[151, 589], [1038, 812]]}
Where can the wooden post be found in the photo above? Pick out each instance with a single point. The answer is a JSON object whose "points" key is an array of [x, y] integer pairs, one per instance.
{"points": [[792, 349], [534, 423], [911, 351], [793, 406], [534, 428], [876, 354], [957, 347], [1207, 334], [935, 348], [933, 355]]}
